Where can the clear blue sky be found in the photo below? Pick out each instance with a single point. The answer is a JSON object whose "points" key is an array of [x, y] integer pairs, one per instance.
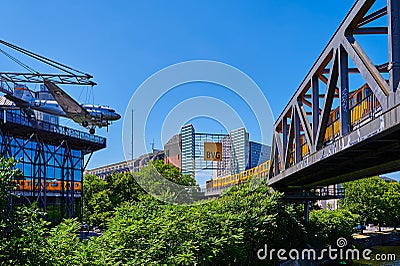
{"points": [[122, 43]]}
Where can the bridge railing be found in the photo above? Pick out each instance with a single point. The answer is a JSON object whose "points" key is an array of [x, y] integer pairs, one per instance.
{"points": [[333, 129], [367, 108], [318, 193]]}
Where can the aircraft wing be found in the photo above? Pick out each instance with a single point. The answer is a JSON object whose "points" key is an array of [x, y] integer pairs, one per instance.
{"points": [[18, 102], [73, 109]]}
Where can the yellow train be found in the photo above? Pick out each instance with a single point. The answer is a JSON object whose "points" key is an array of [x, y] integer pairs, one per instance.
{"points": [[362, 104], [53, 186], [260, 171]]}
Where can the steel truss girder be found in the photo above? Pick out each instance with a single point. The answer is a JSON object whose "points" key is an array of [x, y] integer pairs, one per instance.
{"points": [[42, 154], [15, 77], [342, 47], [67, 180], [39, 175]]}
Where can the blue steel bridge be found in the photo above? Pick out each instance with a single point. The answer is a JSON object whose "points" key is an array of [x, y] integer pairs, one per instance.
{"points": [[343, 121], [359, 145]]}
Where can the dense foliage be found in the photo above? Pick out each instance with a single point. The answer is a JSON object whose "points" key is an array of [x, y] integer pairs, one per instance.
{"points": [[222, 232], [326, 226], [101, 197], [374, 200], [141, 230]]}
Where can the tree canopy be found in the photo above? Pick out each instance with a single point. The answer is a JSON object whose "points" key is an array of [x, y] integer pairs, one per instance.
{"points": [[374, 200], [141, 230]]}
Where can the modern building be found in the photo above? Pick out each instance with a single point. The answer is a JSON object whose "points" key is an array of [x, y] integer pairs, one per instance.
{"points": [[173, 148], [47, 153], [238, 152], [188, 150], [258, 153], [126, 166]]}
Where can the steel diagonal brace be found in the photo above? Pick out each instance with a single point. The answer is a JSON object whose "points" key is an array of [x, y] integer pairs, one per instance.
{"points": [[370, 73]]}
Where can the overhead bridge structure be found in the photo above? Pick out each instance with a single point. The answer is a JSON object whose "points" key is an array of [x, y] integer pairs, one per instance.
{"points": [[326, 134]]}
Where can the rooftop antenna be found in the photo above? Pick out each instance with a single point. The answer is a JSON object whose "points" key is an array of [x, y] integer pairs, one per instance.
{"points": [[152, 146], [133, 113]]}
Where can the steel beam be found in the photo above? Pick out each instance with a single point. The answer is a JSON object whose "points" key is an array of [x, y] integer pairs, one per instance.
{"points": [[371, 30], [393, 7], [330, 92], [373, 16], [315, 105], [285, 135], [289, 144], [344, 92], [297, 137], [369, 72]]}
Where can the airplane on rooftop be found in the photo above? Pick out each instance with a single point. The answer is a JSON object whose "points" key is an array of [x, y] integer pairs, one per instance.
{"points": [[61, 104]]}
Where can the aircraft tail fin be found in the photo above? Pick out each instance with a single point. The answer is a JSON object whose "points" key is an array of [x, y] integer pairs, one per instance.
{"points": [[22, 92]]}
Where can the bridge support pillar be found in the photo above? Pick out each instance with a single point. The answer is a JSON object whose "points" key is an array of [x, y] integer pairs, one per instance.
{"points": [[307, 211]]}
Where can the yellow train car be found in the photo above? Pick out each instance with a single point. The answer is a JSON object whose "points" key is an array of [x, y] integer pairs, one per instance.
{"points": [[362, 105], [54, 186], [260, 171]]}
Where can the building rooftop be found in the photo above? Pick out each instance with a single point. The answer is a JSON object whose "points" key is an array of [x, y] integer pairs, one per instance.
{"points": [[16, 123]]}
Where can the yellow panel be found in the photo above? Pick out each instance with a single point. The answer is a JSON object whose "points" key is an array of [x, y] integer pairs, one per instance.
{"points": [[212, 151]]}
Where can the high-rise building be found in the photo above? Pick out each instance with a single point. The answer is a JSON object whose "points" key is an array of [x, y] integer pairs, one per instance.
{"points": [[259, 153], [238, 152], [240, 149], [188, 141]]}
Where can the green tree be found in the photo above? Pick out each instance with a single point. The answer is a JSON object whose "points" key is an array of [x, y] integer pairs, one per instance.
{"points": [[365, 197], [123, 188], [392, 199], [8, 173], [172, 173], [21, 228], [225, 231], [101, 197], [326, 226], [62, 245], [97, 203]]}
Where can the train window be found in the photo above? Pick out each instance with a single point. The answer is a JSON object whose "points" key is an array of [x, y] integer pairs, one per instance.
{"points": [[352, 102], [54, 184], [337, 115], [367, 92], [76, 185], [359, 97]]}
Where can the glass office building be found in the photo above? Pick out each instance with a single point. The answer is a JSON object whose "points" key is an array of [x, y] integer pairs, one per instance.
{"points": [[188, 150], [238, 152]]}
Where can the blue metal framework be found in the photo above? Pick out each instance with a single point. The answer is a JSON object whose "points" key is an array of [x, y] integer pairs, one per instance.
{"points": [[46, 152]]}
